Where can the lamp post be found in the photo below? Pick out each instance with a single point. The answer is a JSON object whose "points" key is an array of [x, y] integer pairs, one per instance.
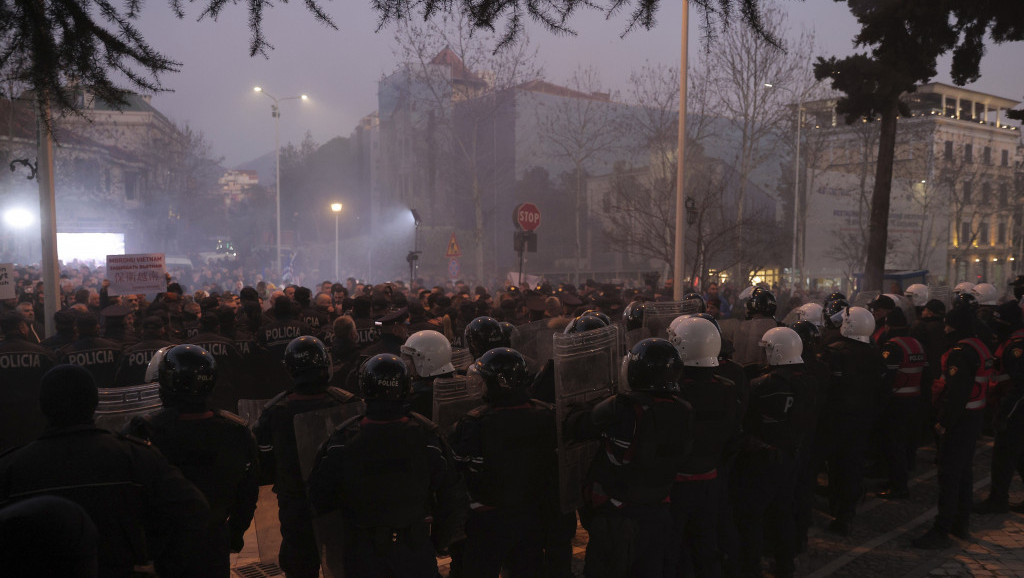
{"points": [[275, 111], [336, 209], [414, 256], [796, 184]]}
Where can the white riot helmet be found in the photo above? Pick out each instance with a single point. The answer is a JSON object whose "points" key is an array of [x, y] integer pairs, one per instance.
{"points": [[697, 340], [858, 324], [986, 293], [918, 294], [430, 352], [153, 369], [812, 312], [782, 346], [964, 287]]}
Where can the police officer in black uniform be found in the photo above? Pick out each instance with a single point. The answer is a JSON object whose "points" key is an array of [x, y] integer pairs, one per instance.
{"points": [[142, 506], [214, 449], [483, 334], [645, 439], [386, 473], [831, 317], [309, 364], [394, 330], [97, 355], [229, 361], [131, 370], [275, 336], [22, 365], [506, 451], [368, 333], [64, 322], [960, 406]]}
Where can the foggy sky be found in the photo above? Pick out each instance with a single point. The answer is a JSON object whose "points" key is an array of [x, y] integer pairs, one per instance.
{"points": [[339, 69]]}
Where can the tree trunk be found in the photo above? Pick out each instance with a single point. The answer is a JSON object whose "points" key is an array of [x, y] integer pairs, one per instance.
{"points": [[878, 228]]}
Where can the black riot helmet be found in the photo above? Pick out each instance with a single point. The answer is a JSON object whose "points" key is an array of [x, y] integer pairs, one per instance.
{"points": [[694, 303], [187, 374], [584, 323], [809, 334], [595, 313], [503, 374], [1018, 287], [835, 295], [483, 334], [509, 332], [653, 365], [832, 309], [308, 361], [761, 302], [965, 301], [384, 377], [633, 315]]}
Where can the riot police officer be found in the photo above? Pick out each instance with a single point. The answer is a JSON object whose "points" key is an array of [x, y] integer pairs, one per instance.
{"points": [[97, 355], [214, 449], [22, 366], [832, 321], [131, 370], [760, 318], [779, 415], [309, 364], [646, 439], [385, 473], [506, 451], [277, 335], [429, 356], [483, 334], [960, 405], [226, 394], [122, 482]]}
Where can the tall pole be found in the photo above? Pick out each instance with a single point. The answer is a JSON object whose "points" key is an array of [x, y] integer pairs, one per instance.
{"points": [[796, 197], [47, 216], [277, 173], [677, 269], [337, 214]]}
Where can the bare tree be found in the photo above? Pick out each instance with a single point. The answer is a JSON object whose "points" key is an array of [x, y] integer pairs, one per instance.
{"points": [[580, 128]]}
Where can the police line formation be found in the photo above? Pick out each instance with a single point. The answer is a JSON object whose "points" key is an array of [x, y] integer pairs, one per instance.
{"points": [[697, 452]]}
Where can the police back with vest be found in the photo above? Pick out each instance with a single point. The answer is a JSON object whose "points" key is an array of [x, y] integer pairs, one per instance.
{"points": [[214, 449], [506, 451], [142, 506], [131, 370], [391, 479], [760, 318], [275, 336], [1008, 421], [959, 396], [229, 361], [645, 435], [97, 355], [22, 366]]}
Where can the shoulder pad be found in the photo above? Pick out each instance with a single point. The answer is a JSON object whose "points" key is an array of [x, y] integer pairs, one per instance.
{"points": [[230, 416], [542, 404], [134, 439], [341, 395], [277, 399], [478, 411], [423, 422]]}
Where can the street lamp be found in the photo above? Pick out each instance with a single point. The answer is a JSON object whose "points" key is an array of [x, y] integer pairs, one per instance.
{"points": [[796, 181], [275, 111], [414, 256], [336, 208]]}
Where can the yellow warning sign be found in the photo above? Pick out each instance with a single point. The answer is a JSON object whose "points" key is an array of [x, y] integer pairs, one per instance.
{"points": [[453, 248]]}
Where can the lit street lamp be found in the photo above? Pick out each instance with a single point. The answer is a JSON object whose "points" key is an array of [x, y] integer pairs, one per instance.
{"points": [[275, 111], [336, 208]]}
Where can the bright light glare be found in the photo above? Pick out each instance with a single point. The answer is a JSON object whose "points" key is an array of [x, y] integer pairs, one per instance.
{"points": [[89, 246], [18, 218], [257, 89], [336, 207], [304, 97]]}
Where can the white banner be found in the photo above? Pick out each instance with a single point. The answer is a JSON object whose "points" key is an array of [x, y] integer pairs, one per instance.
{"points": [[7, 281], [138, 273]]}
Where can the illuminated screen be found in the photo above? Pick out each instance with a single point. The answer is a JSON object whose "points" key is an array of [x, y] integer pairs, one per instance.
{"points": [[89, 246]]}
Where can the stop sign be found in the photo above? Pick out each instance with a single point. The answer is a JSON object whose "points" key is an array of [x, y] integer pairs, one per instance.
{"points": [[527, 217]]}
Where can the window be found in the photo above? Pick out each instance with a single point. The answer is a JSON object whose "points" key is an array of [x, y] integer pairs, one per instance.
{"points": [[1006, 158], [968, 153], [986, 193], [948, 153], [965, 232], [968, 190], [983, 234], [986, 155], [131, 186], [1002, 233], [1004, 195]]}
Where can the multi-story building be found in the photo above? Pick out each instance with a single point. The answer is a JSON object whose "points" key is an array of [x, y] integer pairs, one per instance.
{"points": [[956, 190]]}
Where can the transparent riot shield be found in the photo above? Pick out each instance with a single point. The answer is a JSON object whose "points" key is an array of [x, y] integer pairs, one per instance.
{"points": [[534, 342], [461, 358], [118, 405], [250, 410], [658, 315], [943, 293], [312, 428], [863, 298], [453, 398], [586, 368]]}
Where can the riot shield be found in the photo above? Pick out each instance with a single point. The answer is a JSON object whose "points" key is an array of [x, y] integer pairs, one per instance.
{"points": [[658, 315], [312, 428], [534, 342], [461, 359], [453, 398], [863, 298], [586, 368], [943, 293], [250, 410], [118, 405]]}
